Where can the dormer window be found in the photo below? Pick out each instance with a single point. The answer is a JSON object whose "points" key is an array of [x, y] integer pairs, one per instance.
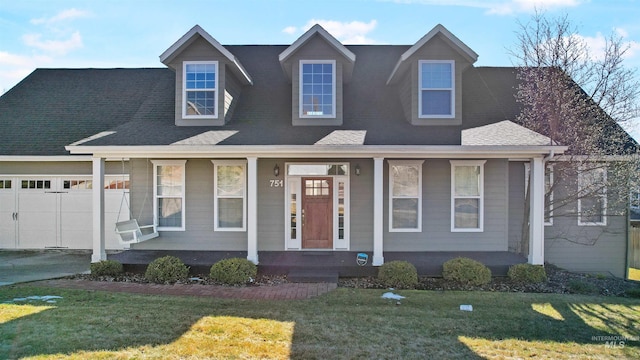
{"points": [[317, 88], [437, 89], [200, 86]]}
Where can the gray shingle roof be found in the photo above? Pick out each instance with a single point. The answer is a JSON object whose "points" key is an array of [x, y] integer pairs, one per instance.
{"points": [[53, 108], [503, 133]]}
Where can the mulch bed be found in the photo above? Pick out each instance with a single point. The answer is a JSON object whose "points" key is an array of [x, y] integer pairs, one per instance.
{"points": [[559, 281]]}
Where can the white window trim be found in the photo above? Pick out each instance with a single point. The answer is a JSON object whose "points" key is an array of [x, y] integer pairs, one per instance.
{"points": [[184, 90], [549, 168], [216, 164], [604, 202], [480, 197], [333, 88], [453, 89], [419, 164], [157, 163]]}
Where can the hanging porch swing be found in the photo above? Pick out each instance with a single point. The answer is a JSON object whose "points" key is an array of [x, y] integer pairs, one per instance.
{"points": [[129, 231]]}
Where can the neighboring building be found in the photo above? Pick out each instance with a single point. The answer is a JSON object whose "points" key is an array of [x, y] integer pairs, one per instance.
{"points": [[382, 149]]}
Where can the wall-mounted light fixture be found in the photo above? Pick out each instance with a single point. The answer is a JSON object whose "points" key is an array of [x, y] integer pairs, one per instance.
{"points": [[276, 170], [357, 169]]}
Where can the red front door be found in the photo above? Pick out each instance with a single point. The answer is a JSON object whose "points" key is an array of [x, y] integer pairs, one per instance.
{"points": [[317, 213]]}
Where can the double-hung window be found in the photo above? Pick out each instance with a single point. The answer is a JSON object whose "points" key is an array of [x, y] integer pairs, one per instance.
{"points": [[317, 88], [169, 194], [230, 195], [467, 195], [405, 193], [592, 192], [200, 85], [436, 88]]}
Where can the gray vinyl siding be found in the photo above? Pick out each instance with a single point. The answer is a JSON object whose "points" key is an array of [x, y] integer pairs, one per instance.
{"points": [[315, 49], [437, 49], [198, 207], [436, 232], [227, 93], [516, 204], [600, 249]]}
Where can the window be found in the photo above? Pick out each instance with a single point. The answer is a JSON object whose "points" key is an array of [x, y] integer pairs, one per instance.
{"points": [[230, 195], [36, 184], [5, 184], [634, 198], [169, 194], [548, 191], [592, 192], [436, 99], [317, 89], [200, 83], [467, 195], [405, 196]]}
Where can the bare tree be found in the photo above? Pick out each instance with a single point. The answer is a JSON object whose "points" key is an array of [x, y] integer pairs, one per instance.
{"points": [[578, 100]]}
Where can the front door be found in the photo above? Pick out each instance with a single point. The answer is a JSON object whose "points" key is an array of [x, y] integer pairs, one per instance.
{"points": [[317, 213]]}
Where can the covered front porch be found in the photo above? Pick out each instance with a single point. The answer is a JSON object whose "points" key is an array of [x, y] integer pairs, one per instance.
{"points": [[321, 263]]}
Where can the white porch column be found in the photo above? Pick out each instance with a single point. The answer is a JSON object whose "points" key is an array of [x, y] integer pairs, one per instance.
{"points": [[378, 203], [99, 252], [252, 209], [536, 213]]}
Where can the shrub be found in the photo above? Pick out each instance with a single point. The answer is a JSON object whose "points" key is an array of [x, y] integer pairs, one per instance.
{"points": [[527, 274], [634, 293], [398, 274], [581, 287], [234, 271], [167, 269], [106, 268], [466, 271]]}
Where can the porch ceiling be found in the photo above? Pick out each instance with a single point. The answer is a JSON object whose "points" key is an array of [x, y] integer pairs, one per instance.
{"points": [[319, 151]]}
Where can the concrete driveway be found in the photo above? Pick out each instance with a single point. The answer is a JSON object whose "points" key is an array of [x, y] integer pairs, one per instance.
{"points": [[25, 266]]}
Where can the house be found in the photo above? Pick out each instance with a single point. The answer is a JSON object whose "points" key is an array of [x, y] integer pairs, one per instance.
{"points": [[264, 150]]}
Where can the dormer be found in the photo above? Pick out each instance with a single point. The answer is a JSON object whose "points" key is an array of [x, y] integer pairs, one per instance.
{"points": [[429, 78], [317, 65], [209, 79]]}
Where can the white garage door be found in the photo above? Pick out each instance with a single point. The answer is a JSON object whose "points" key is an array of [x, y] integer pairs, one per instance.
{"points": [[50, 212]]}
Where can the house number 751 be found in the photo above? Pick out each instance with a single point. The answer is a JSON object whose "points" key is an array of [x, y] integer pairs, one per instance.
{"points": [[276, 183]]}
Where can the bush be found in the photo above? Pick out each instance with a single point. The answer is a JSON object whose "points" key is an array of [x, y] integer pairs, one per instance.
{"points": [[581, 287], [466, 271], [398, 274], [634, 293], [167, 269], [234, 271], [527, 274], [106, 268]]}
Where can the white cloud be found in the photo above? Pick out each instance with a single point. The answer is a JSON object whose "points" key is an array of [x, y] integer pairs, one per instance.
{"points": [[354, 32], [597, 44], [14, 68], [290, 30], [500, 7], [61, 16], [58, 47]]}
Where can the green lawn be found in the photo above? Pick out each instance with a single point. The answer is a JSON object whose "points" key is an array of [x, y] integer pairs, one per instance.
{"points": [[346, 323]]}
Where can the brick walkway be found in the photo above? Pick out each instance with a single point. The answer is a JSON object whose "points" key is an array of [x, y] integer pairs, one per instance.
{"points": [[290, 291]]}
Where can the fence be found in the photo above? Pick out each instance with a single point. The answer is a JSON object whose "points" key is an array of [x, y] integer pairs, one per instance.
{"points": [[634, 258]]}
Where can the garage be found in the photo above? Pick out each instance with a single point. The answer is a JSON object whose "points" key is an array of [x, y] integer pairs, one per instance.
{"points": [[38, 212]]}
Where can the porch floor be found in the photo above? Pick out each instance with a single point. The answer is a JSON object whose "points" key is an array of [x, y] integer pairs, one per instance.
{"points": [[342, 263]]}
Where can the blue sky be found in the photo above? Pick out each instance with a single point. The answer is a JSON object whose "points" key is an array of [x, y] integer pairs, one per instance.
{"points": [[108, 33]]}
